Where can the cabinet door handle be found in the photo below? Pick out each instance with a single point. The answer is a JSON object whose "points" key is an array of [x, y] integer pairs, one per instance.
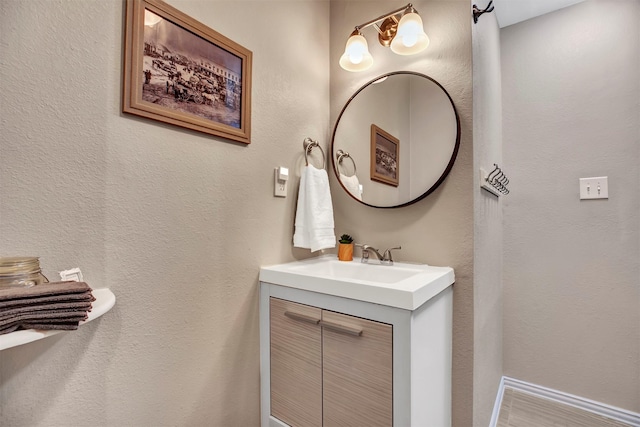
{"points": [[302, 317], [350, 330]]}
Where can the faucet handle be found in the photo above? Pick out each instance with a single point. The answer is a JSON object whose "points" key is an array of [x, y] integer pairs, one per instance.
{"points": [[365, 252], [387, 254]]}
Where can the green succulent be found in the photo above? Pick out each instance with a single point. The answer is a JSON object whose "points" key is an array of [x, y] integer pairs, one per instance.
{"points": [[345, 238]]}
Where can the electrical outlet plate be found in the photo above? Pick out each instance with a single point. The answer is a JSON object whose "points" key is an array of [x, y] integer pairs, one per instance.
{"points": [[73, 274], [594, 188]]}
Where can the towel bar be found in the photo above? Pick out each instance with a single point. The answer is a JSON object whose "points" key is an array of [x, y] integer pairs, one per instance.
{"points": [[309, 145], [344, 154]]}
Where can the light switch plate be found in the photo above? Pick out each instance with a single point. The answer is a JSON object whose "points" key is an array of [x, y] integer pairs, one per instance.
{"points": [[594, 188], [279, 186]]}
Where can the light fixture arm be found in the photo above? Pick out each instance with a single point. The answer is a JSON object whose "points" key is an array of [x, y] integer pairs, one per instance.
{"points": [[391, 20], [385, 16]]}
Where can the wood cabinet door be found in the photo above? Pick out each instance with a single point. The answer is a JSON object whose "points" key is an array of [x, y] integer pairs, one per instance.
{"points": [[296, 363], [357, 371]]}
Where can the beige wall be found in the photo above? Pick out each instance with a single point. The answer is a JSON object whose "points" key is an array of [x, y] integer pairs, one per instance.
{"points": [[571, 91], [439, 229], [488, 219], [176, 223]]}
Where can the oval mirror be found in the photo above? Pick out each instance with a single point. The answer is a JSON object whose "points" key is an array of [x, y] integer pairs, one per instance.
{"points": [[395, 140]]}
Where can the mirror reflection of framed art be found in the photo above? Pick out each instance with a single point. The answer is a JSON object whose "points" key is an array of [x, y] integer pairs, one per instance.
{"points": [[385, 156]]}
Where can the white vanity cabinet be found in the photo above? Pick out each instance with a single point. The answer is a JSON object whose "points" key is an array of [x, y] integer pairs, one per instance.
{"points": [[330, 360], [329, 368]]}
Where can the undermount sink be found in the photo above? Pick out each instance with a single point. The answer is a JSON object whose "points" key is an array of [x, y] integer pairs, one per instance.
{"points": [[401, 285]]}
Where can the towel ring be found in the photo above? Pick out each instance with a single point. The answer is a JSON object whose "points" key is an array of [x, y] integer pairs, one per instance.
{"points": [[341, 155], [309, 145]]}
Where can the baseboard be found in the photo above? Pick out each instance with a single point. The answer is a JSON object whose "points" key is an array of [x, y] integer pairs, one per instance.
{"points": [[592, 406], [497, 405]]}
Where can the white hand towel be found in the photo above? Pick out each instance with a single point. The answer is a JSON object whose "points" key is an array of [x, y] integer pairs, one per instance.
{"points": [[314, 228], [352, 185]]}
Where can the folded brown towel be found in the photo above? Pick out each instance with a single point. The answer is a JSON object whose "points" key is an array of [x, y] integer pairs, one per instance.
{"points": [[60, 319], [54, 288], [32, 308], [63, 326], [44, 317], [8, 329], [43, 314], [26, 323], [20, 302], [59, 305], [13, 322]]}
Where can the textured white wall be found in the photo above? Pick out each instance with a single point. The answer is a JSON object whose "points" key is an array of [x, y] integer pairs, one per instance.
{"points": [[176, 223], [439, 229], [488, 218], [571, 95]]}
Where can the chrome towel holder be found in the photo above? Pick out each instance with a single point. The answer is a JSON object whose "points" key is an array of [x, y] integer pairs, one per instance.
{"points": [[340, 155], [309, 144]]}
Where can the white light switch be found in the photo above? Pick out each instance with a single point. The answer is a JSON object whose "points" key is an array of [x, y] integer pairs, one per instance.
{"points": [[594, 188], [281, 177]]}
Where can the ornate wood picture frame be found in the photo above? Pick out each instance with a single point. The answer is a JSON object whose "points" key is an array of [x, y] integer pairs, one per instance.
{"points": [[179, 71]]}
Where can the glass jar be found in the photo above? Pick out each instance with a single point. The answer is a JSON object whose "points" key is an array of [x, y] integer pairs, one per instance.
{"points": [[20, 272]]}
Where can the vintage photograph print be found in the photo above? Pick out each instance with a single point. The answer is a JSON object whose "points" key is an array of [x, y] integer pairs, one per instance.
{"points": [[178, 71], [385, 155]]}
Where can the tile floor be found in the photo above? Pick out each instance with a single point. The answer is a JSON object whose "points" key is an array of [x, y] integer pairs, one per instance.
{"points": [[525, 410]]}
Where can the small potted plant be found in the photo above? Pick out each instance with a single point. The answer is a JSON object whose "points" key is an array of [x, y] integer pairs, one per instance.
{"points": [[345, 249]]}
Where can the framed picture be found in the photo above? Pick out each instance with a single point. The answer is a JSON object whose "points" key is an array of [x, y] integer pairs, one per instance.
{"points": [[178, 71], [385, 156]]}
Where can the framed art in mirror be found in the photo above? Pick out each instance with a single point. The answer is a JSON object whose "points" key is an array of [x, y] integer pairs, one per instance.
{"points": [[179, 71], [385, 156]]}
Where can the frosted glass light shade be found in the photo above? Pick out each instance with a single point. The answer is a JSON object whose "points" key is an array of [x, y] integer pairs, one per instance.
{"points": [[356, 56], [410, 38]]}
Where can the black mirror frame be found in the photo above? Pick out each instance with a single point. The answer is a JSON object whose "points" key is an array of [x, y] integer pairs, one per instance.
{"points": [[451, 160]]}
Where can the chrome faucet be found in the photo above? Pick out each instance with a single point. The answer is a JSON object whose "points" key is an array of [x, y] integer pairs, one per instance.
{"points": [[385, 259], [366, 249]]}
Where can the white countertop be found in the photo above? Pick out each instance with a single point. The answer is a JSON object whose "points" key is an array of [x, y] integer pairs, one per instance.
{"points": [[402, 285]]}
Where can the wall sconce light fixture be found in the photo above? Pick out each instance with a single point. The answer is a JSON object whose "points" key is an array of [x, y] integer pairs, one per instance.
{"points": [[405, 36]]}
